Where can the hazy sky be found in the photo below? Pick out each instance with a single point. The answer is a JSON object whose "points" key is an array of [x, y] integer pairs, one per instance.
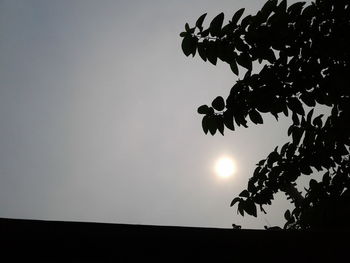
{"points": [[98, 116]]}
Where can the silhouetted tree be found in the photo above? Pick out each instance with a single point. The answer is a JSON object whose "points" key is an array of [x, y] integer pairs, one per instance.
{"points": [[305, 56]]}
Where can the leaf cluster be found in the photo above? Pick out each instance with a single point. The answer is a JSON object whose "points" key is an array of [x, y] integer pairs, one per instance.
{"points": [[305, 51]]}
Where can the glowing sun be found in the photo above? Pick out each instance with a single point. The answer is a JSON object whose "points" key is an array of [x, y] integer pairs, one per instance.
{"points": [[225, 167]]}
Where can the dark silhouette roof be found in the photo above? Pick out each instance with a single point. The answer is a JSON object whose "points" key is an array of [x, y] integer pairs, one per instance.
{"points": [[54, 241]]}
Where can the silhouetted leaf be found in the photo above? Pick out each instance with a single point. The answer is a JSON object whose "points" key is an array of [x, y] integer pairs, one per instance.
{"points": [[228, 120], [318, 121], [240, 120], [309, 116], [282, 7], [308, 99], [189, 45], [295, 119], [204, 109], [212, 52], [305, 169], [187, 27], [269, 7], [313, 183], [237, 16], [201, 51], [220, 123], [261, 162], [218, 103], [245, 61], [255, 116], [284, 148], [205, 124], [296, 134], [245, 21], [244, 193], [250, 207], [212, 124], [326, 178], [251, 187], [295, 9], [200, 20], [204, 33], [216, 24], [235, 200], [295, 105], [309, 11], [234, 68], [241, 208], [287, 215], [269, 55], [272, 158]]}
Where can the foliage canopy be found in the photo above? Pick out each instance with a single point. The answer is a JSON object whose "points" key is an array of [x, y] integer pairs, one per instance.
{"points": [[305, 53]]}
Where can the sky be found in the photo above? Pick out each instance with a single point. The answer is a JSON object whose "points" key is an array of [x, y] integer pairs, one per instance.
{"points": [[98, 118]]}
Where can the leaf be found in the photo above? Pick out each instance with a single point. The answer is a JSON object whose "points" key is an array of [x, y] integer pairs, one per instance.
{"points": [[201, 51], [313, 183], [295, 9], [269, 7], [205, 124], [282, 7], [187, 27], [204, 33], [212, 124], [240, 120], [287, 215], [216, 24], [251, 186], [212, 52], [246, 21], [235, 200], [255, 116], [297, 133], [250, 207], [318, 121], [218, 103], [244, 193], [309, 11], [200, 20], [284, 149], [326, 178], [269, 55], [228, 120], [204, 109], [245, 61], [305, 169], [237, 16], [189, 45], [308, 99], [241, 208], [309, 116], [220, 123], [272, 158], [261, 162], [295, 105], [234, 68], [295, 119]]}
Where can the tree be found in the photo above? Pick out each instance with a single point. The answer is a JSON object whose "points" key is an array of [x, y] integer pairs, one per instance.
{"points": [[305, 55]]}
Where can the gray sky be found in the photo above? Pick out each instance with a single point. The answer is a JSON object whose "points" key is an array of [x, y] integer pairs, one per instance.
{"points": [[98, 116]]}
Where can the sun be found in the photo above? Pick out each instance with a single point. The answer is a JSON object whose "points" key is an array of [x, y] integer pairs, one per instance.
{"points": [[225, 167]]}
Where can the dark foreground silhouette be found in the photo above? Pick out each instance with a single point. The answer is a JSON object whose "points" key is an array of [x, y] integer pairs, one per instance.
{"points": [[53, 241]]}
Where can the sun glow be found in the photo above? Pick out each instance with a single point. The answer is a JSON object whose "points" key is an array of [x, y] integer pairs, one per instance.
{"points": [[225, 167]]}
